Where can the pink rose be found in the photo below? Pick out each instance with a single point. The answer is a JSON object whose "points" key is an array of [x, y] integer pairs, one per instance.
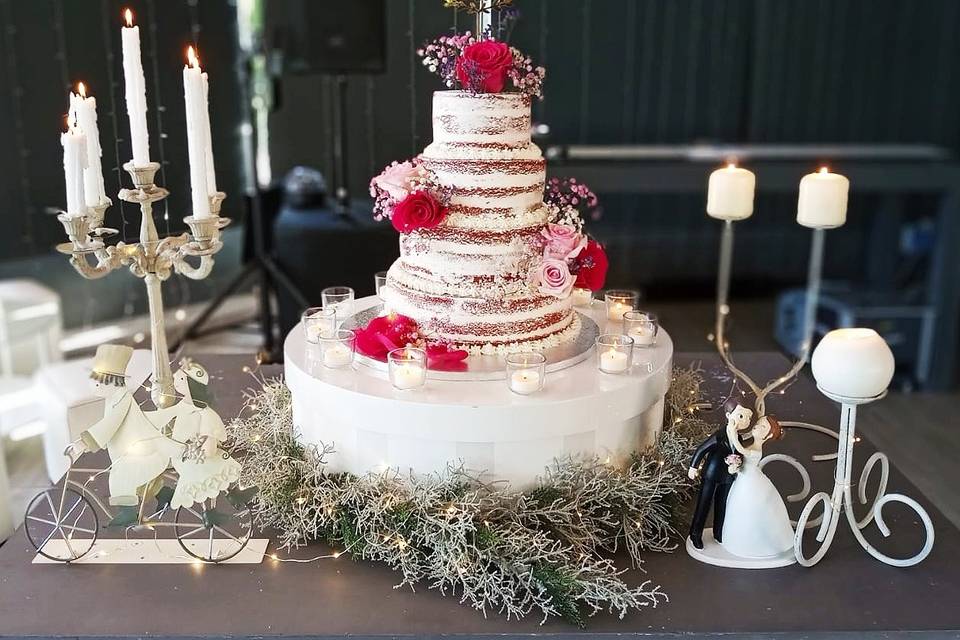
{"points": [[395, 179], [553, 278], [563, 242], [483, 66], [419, 210]]}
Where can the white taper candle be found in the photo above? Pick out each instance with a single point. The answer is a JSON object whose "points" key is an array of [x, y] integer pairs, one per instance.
{"points": [[74, 161], [84, 109], [193, 101], [208, 138], [136, 91]]}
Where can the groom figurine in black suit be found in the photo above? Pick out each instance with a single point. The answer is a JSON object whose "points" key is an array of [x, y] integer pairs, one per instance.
{"points": [[716, 479]]}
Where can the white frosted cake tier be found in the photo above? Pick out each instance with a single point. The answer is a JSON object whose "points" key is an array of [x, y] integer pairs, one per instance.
{"points": [[468, 280], [482, 424]]}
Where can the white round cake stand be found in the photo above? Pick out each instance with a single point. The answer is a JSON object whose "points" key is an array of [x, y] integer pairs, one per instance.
{"points": [[492, 432]]}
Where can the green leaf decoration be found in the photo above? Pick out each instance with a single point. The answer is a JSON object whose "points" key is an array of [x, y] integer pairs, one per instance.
{"points": [[561, 587], [201, 394], [164, 496], [126, 516], [213, 518], [240, 498]]}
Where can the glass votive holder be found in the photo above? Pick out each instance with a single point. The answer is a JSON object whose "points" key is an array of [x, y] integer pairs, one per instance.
{"points": [[318, 322], [581, 297], [526, 372], [614, 353], [619, 301], [379, 280], [339, 298], [407, 367], [336, 350], [642, 326]]}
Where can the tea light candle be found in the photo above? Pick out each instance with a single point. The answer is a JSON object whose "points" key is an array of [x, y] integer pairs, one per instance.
{"points": [[582, 297], [337, 355], [642, 335], [613, 361], [408, 376], [615, 310], [619, 301], [822, 203], [525, 381], [730, 193]]}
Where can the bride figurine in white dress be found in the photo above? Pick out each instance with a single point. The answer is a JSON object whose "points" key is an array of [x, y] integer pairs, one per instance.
{"points": [[757, 524]]}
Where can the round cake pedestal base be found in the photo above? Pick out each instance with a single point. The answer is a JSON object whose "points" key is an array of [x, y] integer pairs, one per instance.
{"points": [[714, 553], [492, 432]]}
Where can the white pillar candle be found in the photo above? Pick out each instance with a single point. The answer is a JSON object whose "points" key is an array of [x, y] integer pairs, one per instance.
{"points": [[74, 160], [337, 355], [613, 361], [136, 91], [730, 193], [525, 381], [196, 142], [84, 109], [823, 200]]}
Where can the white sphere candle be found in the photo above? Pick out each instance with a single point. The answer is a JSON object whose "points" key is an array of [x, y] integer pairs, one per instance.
{"points": [[822, 203], [730, 193], [853, 363]]}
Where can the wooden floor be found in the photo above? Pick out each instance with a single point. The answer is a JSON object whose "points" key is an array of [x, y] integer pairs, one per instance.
{"points": [[920, 432]]}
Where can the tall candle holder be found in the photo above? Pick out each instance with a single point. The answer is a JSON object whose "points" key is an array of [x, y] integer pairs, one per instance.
{"points": [[153, 259], [854, 367]]}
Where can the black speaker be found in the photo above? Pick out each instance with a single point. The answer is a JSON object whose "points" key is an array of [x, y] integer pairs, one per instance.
{"points": [[331, 36]]}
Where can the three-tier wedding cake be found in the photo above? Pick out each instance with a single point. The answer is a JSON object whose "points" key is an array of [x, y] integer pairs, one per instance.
{"points": [[468, 280]]}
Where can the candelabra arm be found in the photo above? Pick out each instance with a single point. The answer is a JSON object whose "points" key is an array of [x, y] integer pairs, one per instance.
{"points": [[89, 271], [723, 306], [814, 275], [199, 272]]}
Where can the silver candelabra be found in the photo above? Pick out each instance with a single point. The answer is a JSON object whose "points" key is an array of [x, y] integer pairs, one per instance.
{"points": [[153, 259]]}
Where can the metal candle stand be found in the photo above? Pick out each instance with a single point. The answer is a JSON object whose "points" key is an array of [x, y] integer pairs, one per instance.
{"points": [[841, 496], [153, 258]]}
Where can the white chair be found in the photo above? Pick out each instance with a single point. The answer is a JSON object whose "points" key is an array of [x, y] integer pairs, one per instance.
{"points": [[6, 516], [30, 328]]}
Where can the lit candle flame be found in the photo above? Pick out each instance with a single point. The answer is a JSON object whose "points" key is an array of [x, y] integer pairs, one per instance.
{"points": [[128, 17], [82, 89], [192, 58], [731, 165], [824, 170]]}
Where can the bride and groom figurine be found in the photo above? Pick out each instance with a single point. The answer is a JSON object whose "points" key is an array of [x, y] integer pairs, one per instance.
{"points": [[751, 526], [143, 444]]}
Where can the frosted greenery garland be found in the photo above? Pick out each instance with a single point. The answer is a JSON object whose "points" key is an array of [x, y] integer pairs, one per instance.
{"points": [[544, 550]]}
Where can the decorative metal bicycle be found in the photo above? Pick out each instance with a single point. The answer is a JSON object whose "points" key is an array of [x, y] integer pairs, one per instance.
{"points": [[63, 522]]}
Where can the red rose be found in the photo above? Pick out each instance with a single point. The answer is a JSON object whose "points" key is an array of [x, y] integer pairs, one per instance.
{"points": [[383, 334], [419, 210], [483, 66], [590, 267]]}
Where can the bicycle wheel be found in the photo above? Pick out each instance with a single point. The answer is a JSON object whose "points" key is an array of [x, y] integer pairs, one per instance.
{"points": [[213, 531], [61, 524]]}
